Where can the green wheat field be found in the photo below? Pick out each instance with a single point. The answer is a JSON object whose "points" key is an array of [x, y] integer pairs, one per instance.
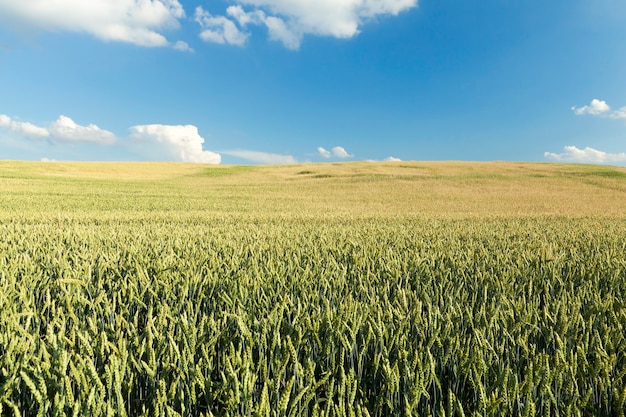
{"points": [[353, 289]]}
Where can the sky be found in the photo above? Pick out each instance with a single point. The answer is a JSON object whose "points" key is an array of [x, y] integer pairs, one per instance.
{"points": [[293, 81]]}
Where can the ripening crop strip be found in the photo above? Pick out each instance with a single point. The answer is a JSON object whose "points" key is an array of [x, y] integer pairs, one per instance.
{"points": [[306, 317]]}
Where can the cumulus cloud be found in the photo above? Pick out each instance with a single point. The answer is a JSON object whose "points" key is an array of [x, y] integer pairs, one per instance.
{"points": [[261, 157], [139, 22], [66, 129], [178, 142], [152, 142], [587, 155], [338, 18], [23, 128], [63, 129], [337, 152], [288, 21], [600, 108], [596, 108]]}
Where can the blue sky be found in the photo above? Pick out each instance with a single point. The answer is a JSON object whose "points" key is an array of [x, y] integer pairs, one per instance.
{"points": [[285, 81]]}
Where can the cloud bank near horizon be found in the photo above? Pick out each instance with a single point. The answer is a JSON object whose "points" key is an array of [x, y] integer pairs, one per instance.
{"points": [[596, 108], [63, 129], [261, 157], [68, 140], [181, 143], [587, 155]]}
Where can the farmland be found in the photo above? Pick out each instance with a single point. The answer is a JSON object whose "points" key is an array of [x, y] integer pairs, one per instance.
{"points": [[358, 289]]}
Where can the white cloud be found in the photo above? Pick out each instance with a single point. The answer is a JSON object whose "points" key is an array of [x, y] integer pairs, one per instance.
{"points": [[166, 142], [324, 153], [587, 155], [139, 22], [262, 157], [152, 142], [219, 29], [596, 108], [183, 46], [288, 21], [244, 18], [279, 30], [66, 129], [388, 159], [23, 128], [340, 152], [337, 18], [619, 114], [337, 152], [600, 108], [63, 129]]}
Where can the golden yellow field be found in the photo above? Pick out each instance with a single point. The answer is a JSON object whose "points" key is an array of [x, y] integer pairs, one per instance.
{"points": [[425, 189]]}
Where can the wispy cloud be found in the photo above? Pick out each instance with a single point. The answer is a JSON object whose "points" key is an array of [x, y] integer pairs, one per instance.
{"points": [[587, 155], [619, 113], [337, 152], [172, 142], [261, 157], [600, 108], [139, 22], [324, 153], [219, 29], [387, 159], [288, 21], [340, 152], [182, 46]]}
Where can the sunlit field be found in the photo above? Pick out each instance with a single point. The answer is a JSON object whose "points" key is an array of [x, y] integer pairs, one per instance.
{"points": [[353, 289], [364, 190]]}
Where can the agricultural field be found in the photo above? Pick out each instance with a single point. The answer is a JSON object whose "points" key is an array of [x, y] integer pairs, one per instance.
{"points": [[354, 289]]}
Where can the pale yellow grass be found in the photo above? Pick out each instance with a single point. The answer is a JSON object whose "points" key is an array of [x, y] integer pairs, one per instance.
{"points": [[425, 189]]}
